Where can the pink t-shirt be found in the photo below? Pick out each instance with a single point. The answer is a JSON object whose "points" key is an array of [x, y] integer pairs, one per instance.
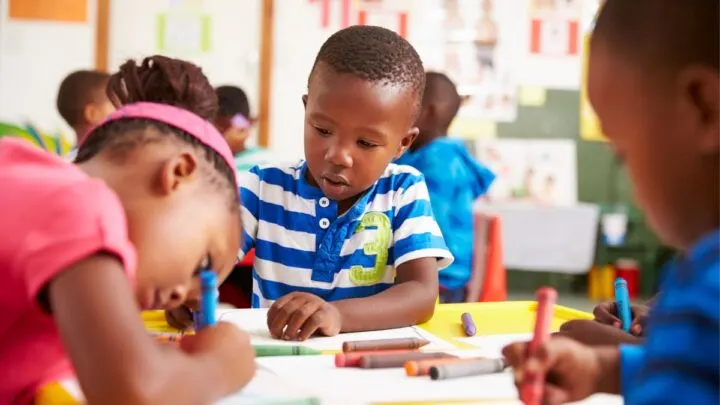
{"points": [[52, 215]]}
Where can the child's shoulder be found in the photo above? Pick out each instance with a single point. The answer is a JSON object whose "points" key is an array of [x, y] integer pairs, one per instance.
{"points": [[401, 174]]}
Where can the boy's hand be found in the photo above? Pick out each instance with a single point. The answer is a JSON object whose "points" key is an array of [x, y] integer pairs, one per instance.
{"points": [[594, 333], [571, 369], [298, 315], [606, 312], [228, 348], [180, 317]]}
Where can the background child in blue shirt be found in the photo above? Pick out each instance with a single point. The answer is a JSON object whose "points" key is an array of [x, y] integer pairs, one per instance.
{"points": [[654, 81], [454, 178], [344, 240]]}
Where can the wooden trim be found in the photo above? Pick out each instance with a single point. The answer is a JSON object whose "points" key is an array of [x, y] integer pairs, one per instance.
{"points": [[266, 70], [102, 35]]}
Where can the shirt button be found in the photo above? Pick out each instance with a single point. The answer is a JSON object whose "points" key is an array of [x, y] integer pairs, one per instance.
{"points": [[324, 202], [324, 223]]}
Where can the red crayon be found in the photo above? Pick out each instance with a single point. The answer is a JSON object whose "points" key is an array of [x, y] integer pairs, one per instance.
{"points": [[352, 359], [531, 392]]}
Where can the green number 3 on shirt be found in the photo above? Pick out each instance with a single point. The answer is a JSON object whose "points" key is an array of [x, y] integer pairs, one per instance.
{"points": [[378, 247]]}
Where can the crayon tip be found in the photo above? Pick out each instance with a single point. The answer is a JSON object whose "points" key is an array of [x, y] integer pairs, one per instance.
{"points": [[411, 368], [340, 360]]}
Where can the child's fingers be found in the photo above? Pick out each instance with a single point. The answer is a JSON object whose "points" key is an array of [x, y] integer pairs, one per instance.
{"points": [[605, 312], [280, 317], [515, 354], [311, 326], [637, 326], [554, 395], [299, 317], [278, 305]]}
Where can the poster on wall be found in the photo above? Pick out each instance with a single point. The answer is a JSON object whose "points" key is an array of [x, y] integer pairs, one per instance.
{"points": [[479, 56], [533, 171], [553, 46]]}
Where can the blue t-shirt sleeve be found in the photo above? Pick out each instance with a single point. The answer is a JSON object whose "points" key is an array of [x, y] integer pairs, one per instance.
{"points": [[681, 359], [415, 233], [631, 358], [249, 189]]}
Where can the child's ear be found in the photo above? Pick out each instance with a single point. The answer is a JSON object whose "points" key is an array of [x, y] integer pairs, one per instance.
{"points": [[304, 99], [702, 90], [93, 114], [407, 140], [176, 171]]}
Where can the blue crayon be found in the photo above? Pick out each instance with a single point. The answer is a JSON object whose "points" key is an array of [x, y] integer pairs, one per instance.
{"points": [[622, 302], [208, 300]]}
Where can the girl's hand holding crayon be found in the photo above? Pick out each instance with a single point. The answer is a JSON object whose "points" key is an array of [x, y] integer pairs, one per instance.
{"points": [[606, 313], [180, 317], [298, 315], [572, 371], [228, 349]]}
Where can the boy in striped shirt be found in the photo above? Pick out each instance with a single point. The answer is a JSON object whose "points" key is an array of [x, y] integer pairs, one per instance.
{"points": [[654, 81], [344, 240]]}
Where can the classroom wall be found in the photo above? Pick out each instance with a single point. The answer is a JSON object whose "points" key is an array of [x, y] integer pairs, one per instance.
{"points": [[232, 57], [34, 57]]}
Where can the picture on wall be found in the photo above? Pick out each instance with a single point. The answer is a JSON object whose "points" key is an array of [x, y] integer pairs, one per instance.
{"points": [[479, 54], [533, 171]]}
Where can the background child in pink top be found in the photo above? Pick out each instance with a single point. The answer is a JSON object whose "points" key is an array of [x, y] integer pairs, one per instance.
{"points": [[150, 203]]}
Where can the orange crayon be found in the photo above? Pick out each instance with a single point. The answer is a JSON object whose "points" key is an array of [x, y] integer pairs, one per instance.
{"points": [[531, 392], [417, 368]]}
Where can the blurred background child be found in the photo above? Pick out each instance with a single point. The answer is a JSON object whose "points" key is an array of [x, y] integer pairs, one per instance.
{"points": [[455, 180], [83, 103], [654, 81], [235, 123]]}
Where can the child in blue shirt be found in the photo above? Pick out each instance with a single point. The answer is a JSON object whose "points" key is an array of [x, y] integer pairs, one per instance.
{"points": [[654, 81], [344, 239], [454, 179]]}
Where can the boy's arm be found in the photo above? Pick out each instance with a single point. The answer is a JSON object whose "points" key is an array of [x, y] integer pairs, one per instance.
{"points": [[410, 301], [418, 246]]}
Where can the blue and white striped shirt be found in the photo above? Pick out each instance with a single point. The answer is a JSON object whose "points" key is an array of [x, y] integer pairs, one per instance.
{"points": [[302, 244]]}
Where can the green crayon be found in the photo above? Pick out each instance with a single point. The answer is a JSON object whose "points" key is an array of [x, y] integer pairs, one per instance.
{"points": [[278, 350]]}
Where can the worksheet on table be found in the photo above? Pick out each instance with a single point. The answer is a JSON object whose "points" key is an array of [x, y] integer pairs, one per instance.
{"points": [[492, 345], [318, 377], [267, 388], [254, 322]]}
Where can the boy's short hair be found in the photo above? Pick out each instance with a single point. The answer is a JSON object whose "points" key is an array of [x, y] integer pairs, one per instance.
{"points": [[661, 33], [77, 90], [375, 54], [232, 100], [441, 90]]}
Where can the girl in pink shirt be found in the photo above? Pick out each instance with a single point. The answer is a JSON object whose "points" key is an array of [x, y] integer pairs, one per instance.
{"points": [[151, 201]]}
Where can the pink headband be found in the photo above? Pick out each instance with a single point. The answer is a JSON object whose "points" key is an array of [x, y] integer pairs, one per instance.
{"points": [[202, 130]]}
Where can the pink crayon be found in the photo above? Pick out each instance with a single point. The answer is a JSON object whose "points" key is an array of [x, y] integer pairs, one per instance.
{"points": [[531, 392]]}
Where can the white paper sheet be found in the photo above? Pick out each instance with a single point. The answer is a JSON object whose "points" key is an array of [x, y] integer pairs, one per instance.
{"points": [[254, 322], [349, 386], [492, 345], [266, 388]]}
